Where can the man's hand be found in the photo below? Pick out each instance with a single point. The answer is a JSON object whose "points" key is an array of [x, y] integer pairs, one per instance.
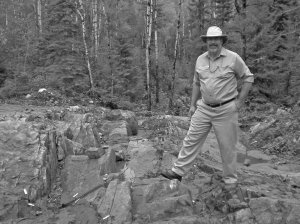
{"points": [[243, 95], [192, 111], [239, 104]]}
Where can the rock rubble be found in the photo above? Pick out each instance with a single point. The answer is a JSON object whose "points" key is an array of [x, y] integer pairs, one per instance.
{"points": [[102, 167]]}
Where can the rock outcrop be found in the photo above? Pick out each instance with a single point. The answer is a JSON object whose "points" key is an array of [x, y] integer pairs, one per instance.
{"points": [[95, 167]]}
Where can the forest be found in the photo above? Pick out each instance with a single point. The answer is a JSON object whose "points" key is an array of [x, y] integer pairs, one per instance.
{"points": [[143, 52]]}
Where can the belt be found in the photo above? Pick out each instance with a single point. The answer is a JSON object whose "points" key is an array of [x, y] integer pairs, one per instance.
{"points": [[219, 104]]}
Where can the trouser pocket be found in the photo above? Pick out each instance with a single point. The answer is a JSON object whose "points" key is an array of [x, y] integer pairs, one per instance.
{"points": [[235, 106]]}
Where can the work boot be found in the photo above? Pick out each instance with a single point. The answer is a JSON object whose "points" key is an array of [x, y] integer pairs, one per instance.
{"points": [[228, 180], [171, 175]]}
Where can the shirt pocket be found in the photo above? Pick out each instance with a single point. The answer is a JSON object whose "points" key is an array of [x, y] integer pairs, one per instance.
{"points": [[203, 72], [225, 72]]}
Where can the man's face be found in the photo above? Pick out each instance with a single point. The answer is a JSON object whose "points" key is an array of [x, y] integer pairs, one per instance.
{"points": [[214, 45]]}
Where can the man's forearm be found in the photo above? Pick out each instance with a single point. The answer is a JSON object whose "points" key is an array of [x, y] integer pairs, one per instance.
{"points": [[244, 91], [195, 95]]}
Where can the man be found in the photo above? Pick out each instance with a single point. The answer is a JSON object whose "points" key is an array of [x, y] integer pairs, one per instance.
{"points": [[215, 80]]}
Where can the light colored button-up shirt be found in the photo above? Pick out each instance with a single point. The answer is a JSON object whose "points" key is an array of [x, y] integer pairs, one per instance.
{"points": [[217, 79]]}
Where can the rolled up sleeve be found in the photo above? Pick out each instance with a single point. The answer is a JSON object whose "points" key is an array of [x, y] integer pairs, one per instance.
{"points": [[242, 70], [196, 80]]}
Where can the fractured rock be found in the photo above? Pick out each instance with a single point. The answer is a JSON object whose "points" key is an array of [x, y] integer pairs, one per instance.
{"points": [[120, 151], [81, 212], [273, 211], [69, 147], [157, 200], [243, 216], [86, 135], [119, 133], [95, 153], [82, 173], [144, 160], [26, 154], [80, 128], [126, 115], [189, 220], [115, 206]]}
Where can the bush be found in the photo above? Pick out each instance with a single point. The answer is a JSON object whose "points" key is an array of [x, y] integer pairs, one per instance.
{"points": [[126, 105], [9, 89]]}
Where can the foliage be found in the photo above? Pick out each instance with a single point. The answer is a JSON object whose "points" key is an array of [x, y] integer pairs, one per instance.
{"points": [[265, 33], [3, 75], [269, 39], [59, 55], [276, 132]]}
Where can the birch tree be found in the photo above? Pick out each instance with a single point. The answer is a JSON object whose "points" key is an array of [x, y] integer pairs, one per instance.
{"points": [[108, 27], [148, 48], [156, 76], [173, 80], [81, 14], [39, 16], [96, 23]]}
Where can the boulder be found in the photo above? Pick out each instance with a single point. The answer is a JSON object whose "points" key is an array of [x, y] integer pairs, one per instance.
{"points": [[70, 147], [126, 115], [81, 173], [115, 206], [81, 212], [274, 211], [158, 200], [28, 159], [86, 135], [119, 133], [243, 216], [189, 220], [80, 128], [120, 150], [95, 153], [144, 159]]}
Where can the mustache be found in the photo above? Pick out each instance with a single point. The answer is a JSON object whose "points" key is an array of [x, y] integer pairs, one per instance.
{"points": [[213, 45]]}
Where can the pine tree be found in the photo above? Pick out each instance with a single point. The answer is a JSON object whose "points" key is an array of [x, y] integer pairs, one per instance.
{"points": [[127, 79], [199, 20], [223, 12], [119, 55], [279, 46], [60, 52], [272, 50]]}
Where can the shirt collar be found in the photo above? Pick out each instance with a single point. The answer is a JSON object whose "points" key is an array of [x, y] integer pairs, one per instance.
{"points": [[222, 53]]}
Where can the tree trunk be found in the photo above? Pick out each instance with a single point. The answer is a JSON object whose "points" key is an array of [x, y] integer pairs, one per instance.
{"points": [[241, 10], [109, 35], [81, 13], [95, 26], [99, 12], [26, 53], [149, 27], [183, 37], [111, 64], [156, 54], [38, 9], [244, 46], [173, 81], [243, 36]]}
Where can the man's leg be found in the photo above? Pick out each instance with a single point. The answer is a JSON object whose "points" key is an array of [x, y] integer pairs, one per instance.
{"points": [[194, 140], [225, 125]]}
